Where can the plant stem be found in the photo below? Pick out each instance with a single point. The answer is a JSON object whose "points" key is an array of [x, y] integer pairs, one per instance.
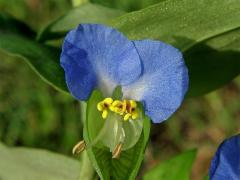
{"points": [[83, 111], [87, 172]]}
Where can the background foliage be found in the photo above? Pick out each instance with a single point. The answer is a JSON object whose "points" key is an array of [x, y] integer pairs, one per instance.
{"points": [[34, 114]]}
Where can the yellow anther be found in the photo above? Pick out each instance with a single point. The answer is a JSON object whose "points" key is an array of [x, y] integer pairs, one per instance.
{"points": [[104, 114], [131, 110], [108, 101], [104, 106], [134, 115], [127, 116], [133, 103], [100, 106], [115, 105], [118, 107], [124, 105], [125, 108]]}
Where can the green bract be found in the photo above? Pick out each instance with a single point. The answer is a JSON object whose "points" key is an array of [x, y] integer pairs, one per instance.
{"points": [[130, 160]]}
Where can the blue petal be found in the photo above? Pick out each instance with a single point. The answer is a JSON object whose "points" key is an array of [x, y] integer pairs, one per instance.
{"points": [[226, 162], [164, 80], [97, 56], [79, 72]]}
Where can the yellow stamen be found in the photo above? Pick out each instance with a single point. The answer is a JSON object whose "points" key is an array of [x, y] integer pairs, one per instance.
{"points": [[104, 114], [134, 115], [100, 106], [131, 110], [125, 108], [118, 107], [127, 116], [108, 101], [115, 105], [124, 105], [104, 106], [133, 103]]}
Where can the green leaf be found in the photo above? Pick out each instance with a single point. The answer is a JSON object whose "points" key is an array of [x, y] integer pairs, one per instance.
{"points": [[86, 13], [127, 5], [213, 63], [26, 163], [178, 167], [169, 20], [127, 166], [43, 59]]}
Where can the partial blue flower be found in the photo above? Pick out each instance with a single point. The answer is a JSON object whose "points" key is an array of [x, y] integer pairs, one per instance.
{"points": [[99, 57], [226, 163]]}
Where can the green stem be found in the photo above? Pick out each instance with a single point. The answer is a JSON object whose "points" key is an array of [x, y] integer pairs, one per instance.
{"points": [[83, 111], [87, 172]]}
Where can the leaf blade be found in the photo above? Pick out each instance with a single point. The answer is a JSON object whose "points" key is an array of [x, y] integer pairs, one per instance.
{"points": [[171, 19], [42, 59], [86, 13], [213, 63], [29, 163], [178, 167], [16, 39]]}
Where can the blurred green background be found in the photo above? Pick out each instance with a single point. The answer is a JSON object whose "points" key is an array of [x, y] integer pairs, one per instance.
{"points": [[33, 114]]}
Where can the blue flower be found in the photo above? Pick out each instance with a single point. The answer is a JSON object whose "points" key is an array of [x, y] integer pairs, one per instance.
{"points": [[226, 162], [99, 57]]}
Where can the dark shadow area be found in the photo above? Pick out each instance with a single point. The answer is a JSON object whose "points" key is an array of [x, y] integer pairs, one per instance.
{"points": [[210, 69]]}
